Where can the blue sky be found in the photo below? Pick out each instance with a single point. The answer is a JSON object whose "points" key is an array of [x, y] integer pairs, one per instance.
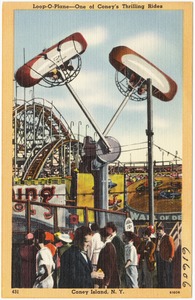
{"points": [[156, 35]]}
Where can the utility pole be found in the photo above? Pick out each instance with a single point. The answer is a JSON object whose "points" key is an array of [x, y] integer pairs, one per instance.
{"points": [[150, 133]]}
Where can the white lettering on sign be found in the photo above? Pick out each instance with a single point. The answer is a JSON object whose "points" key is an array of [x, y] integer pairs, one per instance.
{"points": [[136, 216], [55, 194]]}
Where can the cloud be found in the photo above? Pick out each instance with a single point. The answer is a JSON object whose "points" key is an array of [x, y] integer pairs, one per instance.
{"points": [[93, 93], [146, 43], [95, 36], [88, 87]]}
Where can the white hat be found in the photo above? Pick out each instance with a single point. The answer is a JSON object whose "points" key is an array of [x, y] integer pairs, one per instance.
{"points": [[65, 237]]}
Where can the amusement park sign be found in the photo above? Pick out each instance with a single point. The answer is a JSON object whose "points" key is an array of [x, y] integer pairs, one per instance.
{"points": [[55, 194], [141, 216]]}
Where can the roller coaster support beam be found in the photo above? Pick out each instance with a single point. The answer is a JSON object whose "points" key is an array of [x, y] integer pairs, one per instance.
{"points": [[150, 133]]}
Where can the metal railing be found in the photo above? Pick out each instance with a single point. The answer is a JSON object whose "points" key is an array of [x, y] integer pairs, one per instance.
{"points": [[176, 234], [100, 215]]}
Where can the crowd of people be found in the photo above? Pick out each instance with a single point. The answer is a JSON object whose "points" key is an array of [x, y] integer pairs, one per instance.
{"points": [[94, 257]]}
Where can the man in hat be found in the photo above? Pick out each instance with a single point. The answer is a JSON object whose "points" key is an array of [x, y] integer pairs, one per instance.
{"points": [[146, 264], [66, 243], [63, 242], [165, 250]]}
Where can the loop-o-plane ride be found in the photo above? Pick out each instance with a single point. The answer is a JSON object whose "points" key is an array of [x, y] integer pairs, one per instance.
{"points": [[138, 79], [61, 63], [136, 69]]}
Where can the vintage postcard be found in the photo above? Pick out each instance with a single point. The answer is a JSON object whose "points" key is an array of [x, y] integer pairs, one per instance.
{"points": [[97, 149]]}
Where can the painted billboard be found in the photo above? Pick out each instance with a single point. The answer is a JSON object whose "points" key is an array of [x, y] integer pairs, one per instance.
{"points": [[85, 193]]}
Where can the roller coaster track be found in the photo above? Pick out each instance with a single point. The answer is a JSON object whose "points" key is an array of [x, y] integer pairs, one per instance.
{"points": [[36, 164], [38, 129], [50, 119]]}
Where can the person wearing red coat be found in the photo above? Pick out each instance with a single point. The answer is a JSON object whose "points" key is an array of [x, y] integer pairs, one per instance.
{"points": [[107, 262], [165, 251], [146, 250]]}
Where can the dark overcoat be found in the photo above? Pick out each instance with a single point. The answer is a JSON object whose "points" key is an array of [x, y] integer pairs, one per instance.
{"points": [[75, 271], [108, 263]]}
